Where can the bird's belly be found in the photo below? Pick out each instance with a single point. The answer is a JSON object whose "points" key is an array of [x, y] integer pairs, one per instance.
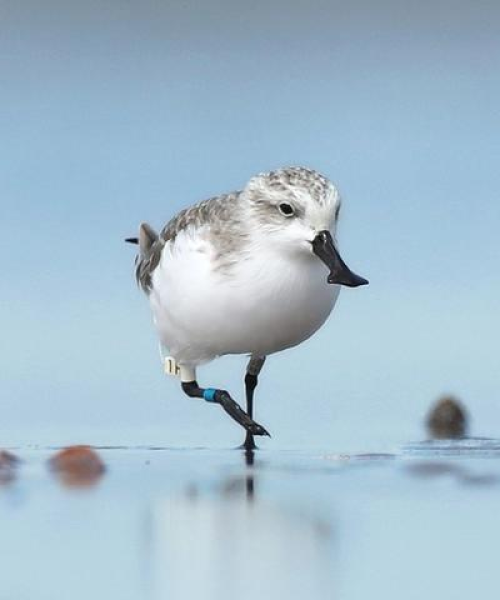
{"points": [[257, 308]]}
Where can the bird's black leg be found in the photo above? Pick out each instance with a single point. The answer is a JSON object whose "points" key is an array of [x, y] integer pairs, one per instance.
{"points": [[251, 379], [233, 409]]}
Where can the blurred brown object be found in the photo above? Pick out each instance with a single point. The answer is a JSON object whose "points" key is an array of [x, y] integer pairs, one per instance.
{"points": [[447, 419], [78, 466], [8, 465]]}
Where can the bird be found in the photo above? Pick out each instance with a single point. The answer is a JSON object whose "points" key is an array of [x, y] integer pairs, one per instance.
{"points": [[251, 272]]}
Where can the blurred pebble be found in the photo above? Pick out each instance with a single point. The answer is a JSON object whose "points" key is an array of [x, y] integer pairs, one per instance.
{"points": [[447, 419], [433, 469], [8, 464], [463, 475], [78, 466]]}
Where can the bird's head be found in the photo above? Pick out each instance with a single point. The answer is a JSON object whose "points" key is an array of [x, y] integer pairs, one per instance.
{"points": [[298, 209]]}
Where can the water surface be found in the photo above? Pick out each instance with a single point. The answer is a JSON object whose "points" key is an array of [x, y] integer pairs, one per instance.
{"points": [[195, 523]]}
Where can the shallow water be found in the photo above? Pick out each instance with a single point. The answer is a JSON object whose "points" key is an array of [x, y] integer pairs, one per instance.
{"points": [[195, 523]]}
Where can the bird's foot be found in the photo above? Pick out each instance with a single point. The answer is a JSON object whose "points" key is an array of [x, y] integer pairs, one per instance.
{"points": [[249, 444], [235, 411]]}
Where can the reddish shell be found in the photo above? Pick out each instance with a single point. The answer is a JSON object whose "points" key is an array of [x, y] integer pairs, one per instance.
{"points": [[7, 459], [78, 466], [8, 464]]}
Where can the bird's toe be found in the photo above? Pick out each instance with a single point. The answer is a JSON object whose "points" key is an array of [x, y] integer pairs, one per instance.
{"points": [[256, 429]]}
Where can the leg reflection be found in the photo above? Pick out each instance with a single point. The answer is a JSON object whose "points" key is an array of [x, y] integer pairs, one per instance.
{"points": [[250, 484]]}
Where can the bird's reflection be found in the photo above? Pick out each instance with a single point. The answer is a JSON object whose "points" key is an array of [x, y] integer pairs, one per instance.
{"points": [[241, 539], [242, 484]]}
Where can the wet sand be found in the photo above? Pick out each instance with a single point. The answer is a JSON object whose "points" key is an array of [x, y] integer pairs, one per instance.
{"points": [[160, 523]]}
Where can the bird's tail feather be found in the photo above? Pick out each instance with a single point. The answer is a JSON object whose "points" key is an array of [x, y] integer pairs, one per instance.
{"points": [[148, 256], [147, 237]]}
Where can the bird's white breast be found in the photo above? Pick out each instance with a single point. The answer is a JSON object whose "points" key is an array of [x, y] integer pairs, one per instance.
{"points": [[265, 302]]}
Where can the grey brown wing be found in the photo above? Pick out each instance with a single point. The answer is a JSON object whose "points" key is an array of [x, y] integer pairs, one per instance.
{"points": [[217, 210]]}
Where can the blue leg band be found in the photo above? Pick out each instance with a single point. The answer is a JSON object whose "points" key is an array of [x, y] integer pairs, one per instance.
{"points": [[209, 394]]}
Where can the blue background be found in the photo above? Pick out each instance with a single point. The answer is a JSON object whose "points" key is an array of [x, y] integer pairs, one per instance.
{"points": [[117, 112]]}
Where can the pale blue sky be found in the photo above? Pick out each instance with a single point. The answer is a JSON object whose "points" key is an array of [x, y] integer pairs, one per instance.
{"points": [[118, 112]]}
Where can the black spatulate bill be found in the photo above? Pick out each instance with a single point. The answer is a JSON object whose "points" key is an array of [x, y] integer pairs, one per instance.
{"points": [[325, 249]]}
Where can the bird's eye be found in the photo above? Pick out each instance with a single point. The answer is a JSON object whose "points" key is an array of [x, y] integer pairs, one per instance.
{"points": [[286, 209]]}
